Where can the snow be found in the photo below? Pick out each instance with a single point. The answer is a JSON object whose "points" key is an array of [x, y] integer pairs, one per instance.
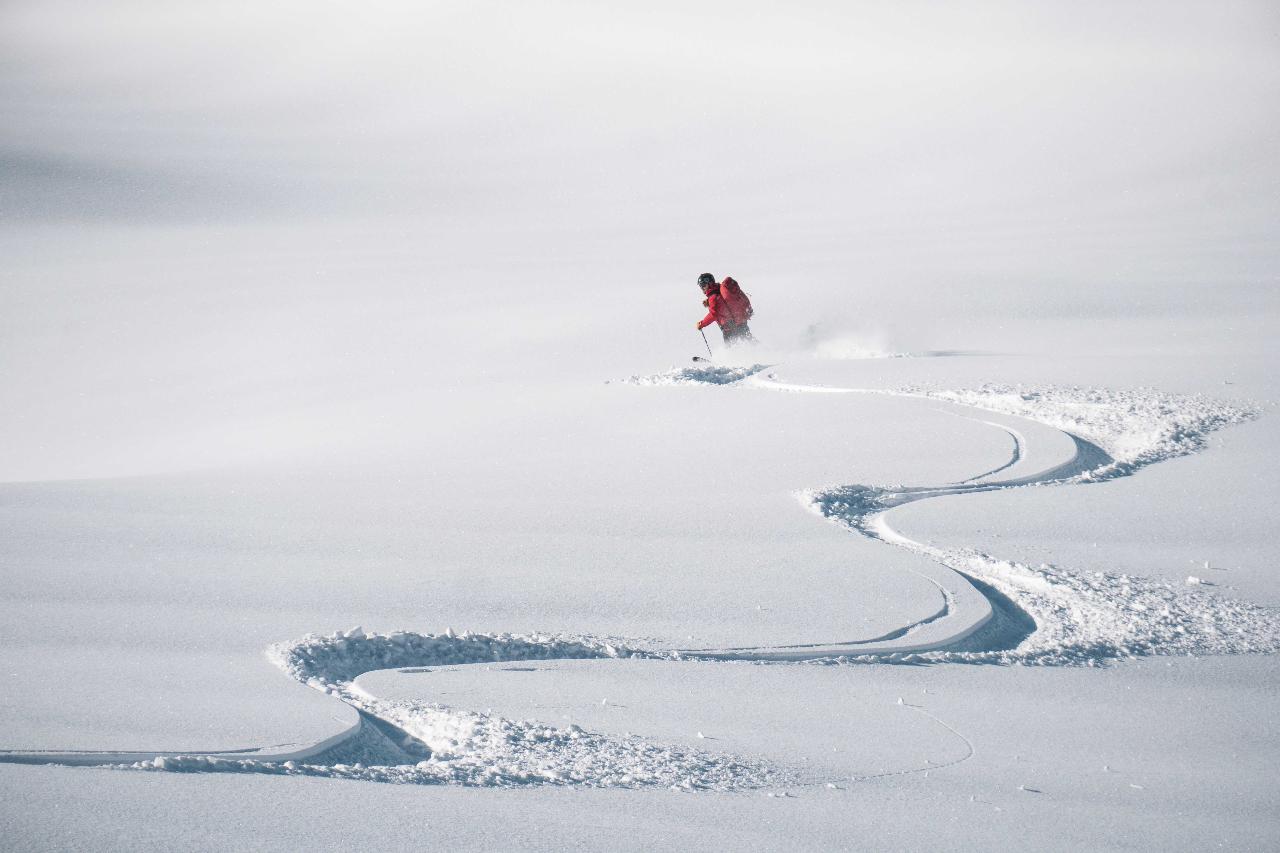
{"points": [[709, 374], [342, 481]]}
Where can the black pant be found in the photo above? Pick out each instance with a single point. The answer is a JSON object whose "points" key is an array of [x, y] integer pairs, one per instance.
{"points": [[734, 335]]}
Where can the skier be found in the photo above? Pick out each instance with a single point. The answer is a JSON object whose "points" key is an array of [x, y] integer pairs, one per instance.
{"points": [[728, 306]]}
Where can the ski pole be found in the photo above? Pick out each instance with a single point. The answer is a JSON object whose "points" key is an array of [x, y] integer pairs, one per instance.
{"points": [[703, 332]]}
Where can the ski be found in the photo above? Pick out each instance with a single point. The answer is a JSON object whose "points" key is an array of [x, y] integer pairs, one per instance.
{"points": [[702, 358]]}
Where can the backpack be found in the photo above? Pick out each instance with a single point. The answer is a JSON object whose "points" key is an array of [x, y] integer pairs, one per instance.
{"points": [[737, 302]]}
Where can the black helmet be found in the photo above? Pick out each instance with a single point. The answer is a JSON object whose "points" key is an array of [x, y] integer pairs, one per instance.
{"points": [[706, 280]]}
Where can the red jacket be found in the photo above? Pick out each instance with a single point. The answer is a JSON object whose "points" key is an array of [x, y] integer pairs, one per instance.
{"points": [[717, 312], [725, 311]]}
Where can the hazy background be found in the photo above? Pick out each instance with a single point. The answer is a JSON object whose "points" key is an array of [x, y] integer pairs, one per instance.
{"points": [[239, 232], [349, 279]]}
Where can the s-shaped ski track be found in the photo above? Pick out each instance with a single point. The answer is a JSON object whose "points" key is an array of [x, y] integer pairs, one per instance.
{"points": [[993, 611]]}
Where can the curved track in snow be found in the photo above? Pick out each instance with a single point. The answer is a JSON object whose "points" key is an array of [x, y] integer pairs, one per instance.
{"points": [[968, 607], [993, 611]]}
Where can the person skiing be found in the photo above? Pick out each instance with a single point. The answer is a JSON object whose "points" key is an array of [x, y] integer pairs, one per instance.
{"points": [[728, 306]]}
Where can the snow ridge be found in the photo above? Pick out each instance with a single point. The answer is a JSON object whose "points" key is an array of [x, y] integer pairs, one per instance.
{"points": [[408, 742], [1075, 618], [1087, 618], [1136, 427]]}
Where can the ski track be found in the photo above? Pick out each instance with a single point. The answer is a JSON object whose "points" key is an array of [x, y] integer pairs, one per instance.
{"points": [[994, 611]]}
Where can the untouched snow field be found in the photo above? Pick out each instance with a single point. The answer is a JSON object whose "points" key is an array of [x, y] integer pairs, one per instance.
{"points": [[357, 488]]}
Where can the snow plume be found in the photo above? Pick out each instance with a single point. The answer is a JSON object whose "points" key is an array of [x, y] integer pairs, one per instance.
{"points": [[837, 345], [410, 742]]}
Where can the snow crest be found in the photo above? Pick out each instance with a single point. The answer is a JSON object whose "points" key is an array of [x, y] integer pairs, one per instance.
{"points": [[1089, 617], [411, 742], [1136, 427]]}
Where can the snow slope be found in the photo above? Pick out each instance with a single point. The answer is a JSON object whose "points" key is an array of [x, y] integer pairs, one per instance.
{"points": [[992, 611]]}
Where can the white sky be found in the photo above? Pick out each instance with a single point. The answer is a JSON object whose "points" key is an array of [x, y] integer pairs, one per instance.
{"points": [[712, 120]]}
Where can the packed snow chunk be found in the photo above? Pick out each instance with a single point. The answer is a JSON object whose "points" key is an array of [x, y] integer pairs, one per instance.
{"points": [[699, 374]]}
